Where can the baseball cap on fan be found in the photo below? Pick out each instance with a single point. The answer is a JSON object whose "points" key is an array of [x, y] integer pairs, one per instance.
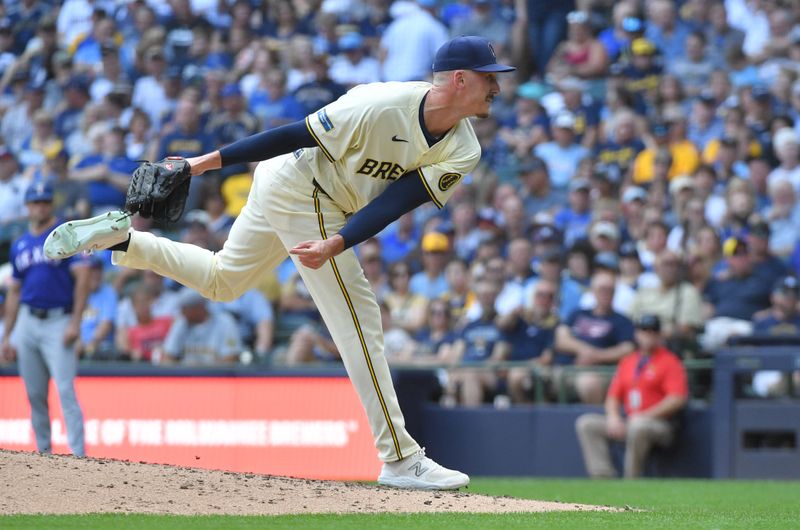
{"points": [[468, 53], [39, 191]]}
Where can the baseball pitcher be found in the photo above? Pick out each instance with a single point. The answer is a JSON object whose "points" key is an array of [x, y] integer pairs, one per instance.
{"points": [[324, 185]]}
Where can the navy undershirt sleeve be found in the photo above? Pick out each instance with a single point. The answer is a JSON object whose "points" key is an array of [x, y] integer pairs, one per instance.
{"points": [[400, 197], [267, 144]]}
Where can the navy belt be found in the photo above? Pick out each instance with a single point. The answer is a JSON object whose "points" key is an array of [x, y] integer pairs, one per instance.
{"points": [[44, 312]]}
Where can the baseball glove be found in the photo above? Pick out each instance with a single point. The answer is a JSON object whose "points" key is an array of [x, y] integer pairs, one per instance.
{"points": [[159, 190]]}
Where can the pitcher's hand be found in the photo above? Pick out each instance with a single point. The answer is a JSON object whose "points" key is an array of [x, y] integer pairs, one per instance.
{"points": [[314, 254]]}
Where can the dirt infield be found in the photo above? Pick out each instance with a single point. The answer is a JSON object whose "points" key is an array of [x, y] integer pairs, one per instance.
{"points": [[33, 483]]}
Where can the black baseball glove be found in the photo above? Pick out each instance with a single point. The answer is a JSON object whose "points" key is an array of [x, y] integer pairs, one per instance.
{"points": [[159, 190]]}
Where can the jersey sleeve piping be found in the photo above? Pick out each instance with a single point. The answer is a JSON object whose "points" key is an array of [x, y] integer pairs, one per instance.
{"points": [[428, 189], [319, 142]]}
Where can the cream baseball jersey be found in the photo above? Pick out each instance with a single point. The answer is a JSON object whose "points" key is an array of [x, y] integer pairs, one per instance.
{"points": [[372, 135]]}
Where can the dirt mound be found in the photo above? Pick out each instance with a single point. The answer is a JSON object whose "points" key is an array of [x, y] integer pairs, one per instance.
{"points": [[57, 484]]}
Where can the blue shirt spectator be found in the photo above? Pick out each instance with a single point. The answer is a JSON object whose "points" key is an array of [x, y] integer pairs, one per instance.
{"points": [[529, 340], [563, 155], [97, 321]]}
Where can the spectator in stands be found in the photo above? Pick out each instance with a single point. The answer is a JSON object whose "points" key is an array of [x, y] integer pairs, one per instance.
{"points": [[43, 140], [695, 68], [543, 27], [370, 256], [536, 192], [407, 311], [642, 74], [514, 223], [720, 34], [187, 138], [519, 275], [466, 234], [148, 333], [297, 307], [271, 102], [621, 146], [594, 337], [111, 75], [563, 155], [676, 303], [400, 346], [654, 242], [255, 321], [704, 125], [477, 342], [409, 43], [528, 124], [27, 98], [650, 385], [786, 143], [577, 101], [581, 54], [436, 337], [568, 291], [399, 240], [459, 295], [634, 200], [149, 92], [765, 263], [604, 236], [617, 37], [165, 302], [235, 121], [430, 282], [574, 220], [321, 90], [106, 173], [483, 20], [353, 66], [12, 189], [527, 335], [630, 266], [97, 322], [734, 297], [782, 318], [623, 293], [311, 343], [200, 337], [666, 30]]}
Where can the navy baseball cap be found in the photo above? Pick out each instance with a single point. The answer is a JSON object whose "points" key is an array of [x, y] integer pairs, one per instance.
{"points": [[468, 53], [39, 191]]}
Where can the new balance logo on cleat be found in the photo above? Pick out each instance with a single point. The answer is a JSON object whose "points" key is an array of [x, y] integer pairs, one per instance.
{"points": [[418, 469]]}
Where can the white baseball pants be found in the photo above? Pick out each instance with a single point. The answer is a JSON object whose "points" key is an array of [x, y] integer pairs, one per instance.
{"points": [[283, 209]]}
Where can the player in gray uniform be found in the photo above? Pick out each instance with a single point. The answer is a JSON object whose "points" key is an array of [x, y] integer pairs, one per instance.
{"points": [[43, 310], [377, 152]]}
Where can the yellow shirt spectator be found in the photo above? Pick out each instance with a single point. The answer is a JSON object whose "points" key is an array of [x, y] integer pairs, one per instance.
{"points": [[235, 190], [685, 159]]}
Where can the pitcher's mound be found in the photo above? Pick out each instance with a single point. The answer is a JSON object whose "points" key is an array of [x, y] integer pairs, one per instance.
{"points": [[57, 484]]}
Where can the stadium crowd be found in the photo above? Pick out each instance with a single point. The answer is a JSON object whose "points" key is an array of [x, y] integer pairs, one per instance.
{"points": [[645, 161]]}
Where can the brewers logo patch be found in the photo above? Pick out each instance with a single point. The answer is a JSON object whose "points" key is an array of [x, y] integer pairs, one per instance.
{"points": [[448, 180]]}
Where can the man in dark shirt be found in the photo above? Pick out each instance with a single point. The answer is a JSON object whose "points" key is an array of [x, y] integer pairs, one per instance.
{"points": [[782, 318], [734, 297], [477, 343], [764, 262], [528, 335], [594, 337]]}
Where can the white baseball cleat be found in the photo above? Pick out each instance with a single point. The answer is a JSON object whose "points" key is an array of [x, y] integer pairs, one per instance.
{"points": [[89, 235], [421, 473]]}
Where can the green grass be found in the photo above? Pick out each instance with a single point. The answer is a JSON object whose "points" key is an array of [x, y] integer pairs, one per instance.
{"points": [[663, 504]]}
